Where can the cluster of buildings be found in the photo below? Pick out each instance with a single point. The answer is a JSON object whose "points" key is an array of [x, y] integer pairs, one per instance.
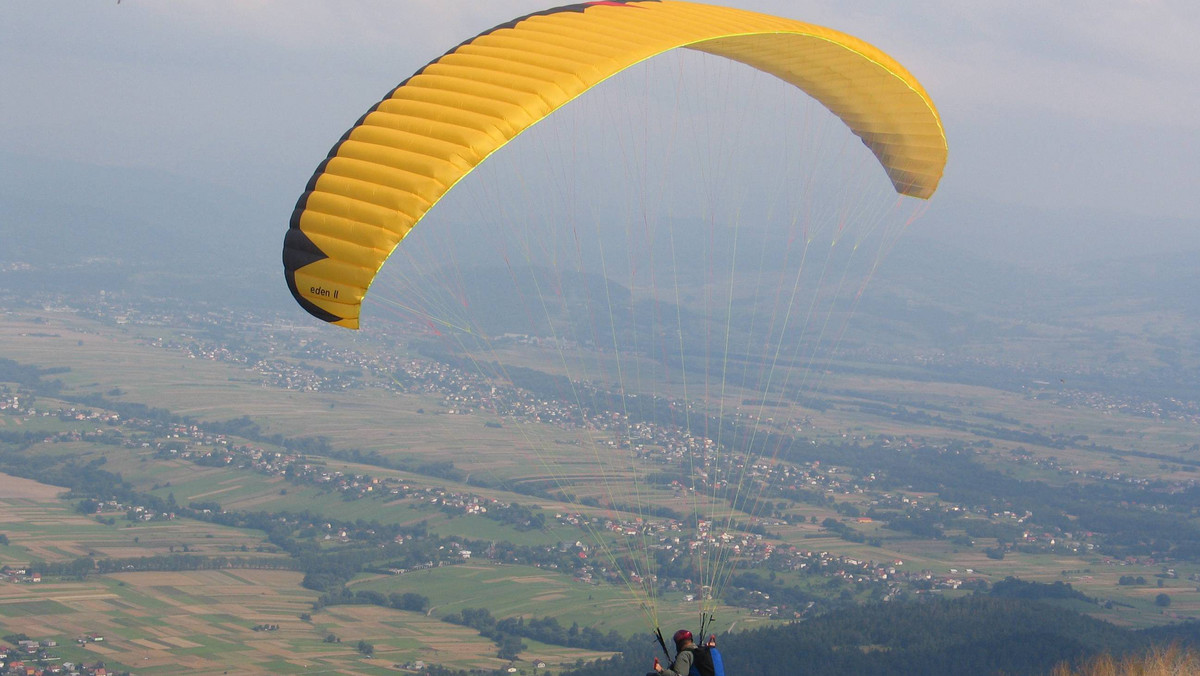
{"points": [[36, 658], [1168, 408], [19, 404], [132, 512], [20, 575], [10, 402]]}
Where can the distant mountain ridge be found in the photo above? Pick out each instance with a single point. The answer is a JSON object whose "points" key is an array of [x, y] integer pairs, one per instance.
{"points": [[76, 228]]}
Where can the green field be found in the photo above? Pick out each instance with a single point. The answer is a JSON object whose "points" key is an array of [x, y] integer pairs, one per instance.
{"points": [[526, 591], [158, 622]]}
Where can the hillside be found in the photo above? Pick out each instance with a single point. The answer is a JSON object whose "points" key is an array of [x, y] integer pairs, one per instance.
{"points": [[963, 637]]}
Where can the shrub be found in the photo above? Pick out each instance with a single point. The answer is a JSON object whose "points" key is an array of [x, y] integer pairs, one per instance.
{"points": [[1159, 661]]}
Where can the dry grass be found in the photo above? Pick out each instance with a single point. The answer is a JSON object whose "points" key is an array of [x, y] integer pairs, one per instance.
{"points": [[16, 488], [1160, 661]]}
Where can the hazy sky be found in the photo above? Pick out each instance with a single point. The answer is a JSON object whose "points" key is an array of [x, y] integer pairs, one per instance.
{"points": [[1072, 125]]}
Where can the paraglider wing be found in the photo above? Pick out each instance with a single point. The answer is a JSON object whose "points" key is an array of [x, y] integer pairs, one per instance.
{"points": [[429, 132]]}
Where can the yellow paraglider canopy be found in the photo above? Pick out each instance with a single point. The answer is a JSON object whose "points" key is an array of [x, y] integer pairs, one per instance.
{"points": [[433, 129]]}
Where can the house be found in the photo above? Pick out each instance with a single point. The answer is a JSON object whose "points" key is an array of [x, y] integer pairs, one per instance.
{"points": [[539, 664]]}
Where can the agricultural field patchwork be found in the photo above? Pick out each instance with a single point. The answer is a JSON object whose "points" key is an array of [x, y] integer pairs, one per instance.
{"points": [[217, 457]]}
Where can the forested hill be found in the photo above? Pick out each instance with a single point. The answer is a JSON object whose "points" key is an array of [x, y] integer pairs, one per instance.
{"points": [[971, 636]]}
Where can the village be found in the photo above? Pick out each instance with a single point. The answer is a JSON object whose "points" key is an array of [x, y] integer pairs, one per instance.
{"points": [[650, 443], [39, 658]]}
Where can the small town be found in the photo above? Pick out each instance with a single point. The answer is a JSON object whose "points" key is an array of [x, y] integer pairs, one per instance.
{"points": [[37, 658]]}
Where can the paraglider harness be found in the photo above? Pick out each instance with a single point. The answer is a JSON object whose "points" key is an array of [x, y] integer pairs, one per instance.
{"points": [[706, 660]]}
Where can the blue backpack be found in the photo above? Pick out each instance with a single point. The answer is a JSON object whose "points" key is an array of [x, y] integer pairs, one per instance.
{"points": [[706, 661]]}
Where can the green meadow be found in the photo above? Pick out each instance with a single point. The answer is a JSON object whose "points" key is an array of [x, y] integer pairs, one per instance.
{"points": [[528, 591]]}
